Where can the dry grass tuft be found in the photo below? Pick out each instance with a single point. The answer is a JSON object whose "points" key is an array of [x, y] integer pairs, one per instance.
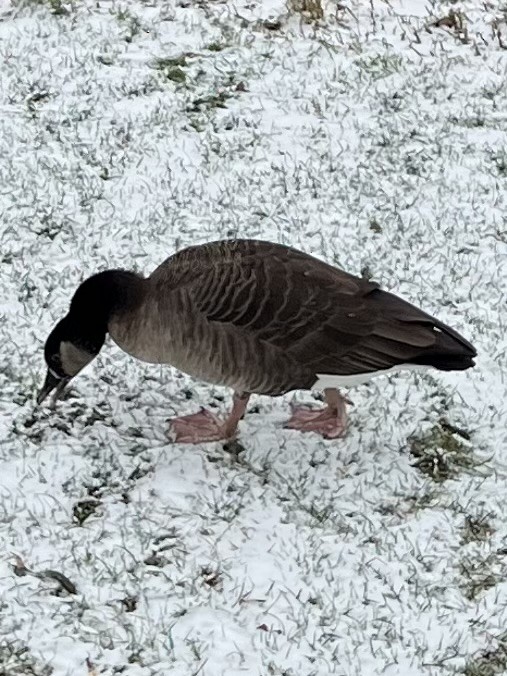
{"points": [[310, 10]]}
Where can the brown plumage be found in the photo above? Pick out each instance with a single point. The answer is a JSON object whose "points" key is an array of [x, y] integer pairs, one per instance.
{"points": [[258, 317]]}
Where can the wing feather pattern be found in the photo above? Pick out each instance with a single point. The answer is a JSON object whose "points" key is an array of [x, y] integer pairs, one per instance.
{"points": [[283, 302]]}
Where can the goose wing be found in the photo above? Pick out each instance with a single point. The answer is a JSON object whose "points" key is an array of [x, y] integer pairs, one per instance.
{"points": [[324, 319]]}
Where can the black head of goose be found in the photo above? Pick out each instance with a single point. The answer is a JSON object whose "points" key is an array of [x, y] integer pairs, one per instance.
{"points": [[257, 317]]}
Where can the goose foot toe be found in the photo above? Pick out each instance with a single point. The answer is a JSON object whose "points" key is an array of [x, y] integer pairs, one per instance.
{"points": [[197, 428], [329, 422]]}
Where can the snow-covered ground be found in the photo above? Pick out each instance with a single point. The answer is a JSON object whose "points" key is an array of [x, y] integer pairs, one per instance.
{"points": [[370, 133]]}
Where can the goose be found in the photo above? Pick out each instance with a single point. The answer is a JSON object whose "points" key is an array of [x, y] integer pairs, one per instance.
{"points": [[257, 317]]}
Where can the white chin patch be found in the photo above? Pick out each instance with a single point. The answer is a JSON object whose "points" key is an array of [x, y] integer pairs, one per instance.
{"points": [[325, 380]]}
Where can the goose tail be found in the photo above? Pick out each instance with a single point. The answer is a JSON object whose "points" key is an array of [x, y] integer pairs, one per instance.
{"points": [[448, 350]]}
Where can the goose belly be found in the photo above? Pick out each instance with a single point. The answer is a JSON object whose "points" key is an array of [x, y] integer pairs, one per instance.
{"points": [[212, 354]]}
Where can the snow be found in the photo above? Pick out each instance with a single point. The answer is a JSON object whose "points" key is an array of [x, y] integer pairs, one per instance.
{"points": [[370, 138]]}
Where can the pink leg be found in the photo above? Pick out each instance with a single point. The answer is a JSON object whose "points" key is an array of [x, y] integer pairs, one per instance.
{"points": [[204, 426], [331, 421]]}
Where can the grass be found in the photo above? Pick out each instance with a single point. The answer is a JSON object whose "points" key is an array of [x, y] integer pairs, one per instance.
{"points": [[173, 68], [476, 529], [56, 7], [16, 660], [456, 23], [489, 662], [309, 10], [83, 509], [380, 65], [499, 159], [443, 452], [176, 74], [478, 575], [130, 23], [217, 100], [216, 46]]}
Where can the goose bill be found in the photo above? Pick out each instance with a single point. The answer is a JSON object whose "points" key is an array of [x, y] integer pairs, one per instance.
{"points": [[52, 384]]}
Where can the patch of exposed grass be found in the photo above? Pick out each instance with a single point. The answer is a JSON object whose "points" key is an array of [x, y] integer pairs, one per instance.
{"points": [[403, 505], [216, 47], [489, 662], [216, 100], [16, 660], [38, 96], [212, 578], [309, 10], [475, 120], [177, 75], [129, 603], [130, 22], [381, 65], [165, 62], [443, 452], [321, 512], [455, 22], [476, 529], [83, 509], [272, 24], [156, 560], [172, 68], [201, 109], [478, 575], [56, 7], [499, 158], [105, 59]]}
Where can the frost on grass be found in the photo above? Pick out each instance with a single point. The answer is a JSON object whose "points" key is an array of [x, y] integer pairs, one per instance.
{"points": [[443, 452], [16, 660], [490, 662], [371, 134]]}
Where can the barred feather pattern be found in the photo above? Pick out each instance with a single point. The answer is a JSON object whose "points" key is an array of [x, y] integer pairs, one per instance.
{"points": [[266, 318]]}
